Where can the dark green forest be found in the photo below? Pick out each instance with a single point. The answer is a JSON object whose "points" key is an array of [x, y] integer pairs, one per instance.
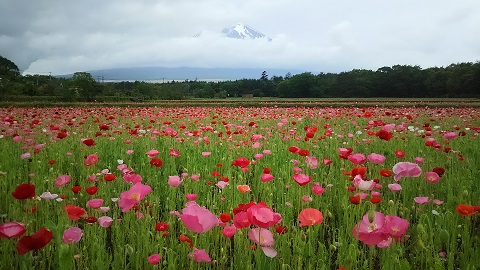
{"points": [[460, 80]]}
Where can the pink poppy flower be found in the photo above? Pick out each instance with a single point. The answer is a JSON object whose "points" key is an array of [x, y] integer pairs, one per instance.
{"points": [[91, 159], [361, 184], [95, 203], [12, 229], [421, 200], [206, 154], [25, 155], [261, 236], [311, 162], [326, 161], [432, 177], [395, 226], [318, 190], [195, 177], [221, 184], [357, 158], [266, 177], [419, 160], [437, 202], [199, 255], [152, 153], [406, 169], [174, 153], [129, 152], [263, 216], [154, 259], [229, 231], [48, 196], [450, 135], [302, 179], [105, 221], [306, 198], [62, 180], [395, 187], [310, 217], [198, 219], [191, 196], [258, 156], [269, 252], [134, 195], [371, 232], [240, 220], [72, 235], [174, 180], [266, 152], [376, 158]]}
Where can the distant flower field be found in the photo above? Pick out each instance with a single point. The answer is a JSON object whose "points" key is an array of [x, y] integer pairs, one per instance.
{"points": [[239, 188]]}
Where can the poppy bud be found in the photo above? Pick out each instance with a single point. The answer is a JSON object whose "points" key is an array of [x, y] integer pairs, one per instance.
{"points": [[444, 236], [371, 216]]}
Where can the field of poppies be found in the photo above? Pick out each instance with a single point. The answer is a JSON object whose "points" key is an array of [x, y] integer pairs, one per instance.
{"points": [[239, 188]]}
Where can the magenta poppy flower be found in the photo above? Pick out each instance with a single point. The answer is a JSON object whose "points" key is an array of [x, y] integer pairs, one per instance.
{"points": [[376, 158], [371, 232], [406, 169], [62, 180], [266, 177], [72, 235], [357, 158], [395, 226], [240, 220], [12, 229], [318, 190], [152, 153], [310, 217], [174, 153], [134, 195], [195, 177], [263, 216], [432, 177], [229, 231], [302, 179], [105, 221], [95, 203], [198, 219], [258, 156], [154, 259], [199, 255], [261, 236], [191, 196], [91, 159], [450, 135]]}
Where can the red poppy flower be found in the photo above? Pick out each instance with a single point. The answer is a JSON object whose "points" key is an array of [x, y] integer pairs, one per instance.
{"points": [[184, 238], [440, 171], [243, 207], [293, 149], [34, 242], [161, 226], [24, 191], [74, 212], [61, 135], [385, 173], [375, 199], [76, 189], [215, 174], [266, 170], [399, 154], [91, 219], [109, 177], [91, 190], [355, 199], [88, 142], [281, 229], [51, 162], [225, 217], [104, 127], [384, 135], [304, 152], [465, 210], [156, 162], [241, 162]]}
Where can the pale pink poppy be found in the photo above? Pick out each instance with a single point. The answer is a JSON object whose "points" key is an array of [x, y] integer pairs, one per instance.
{"points": [[302, 179], [229, 231], [361, 184], [306, 198], [385, 243], [297, 169], [129, 152], [48, 196], [132, 178], [174, 153], [12, 229], [25, 155], [376, 158], [17, 138], [95, 203], [221, 184], [62, 180], [206, 154], [152, 153], [261, 236], [419, 160], [266, 177], [104, 209], [266, 152], [263, 216], [357, 158], [72, 235], [174, 180], [311, 162], [105, 221], [395, 187], [90, 160], [258, 156], [198, 219], [421, 200], [269, 252], [437, 202], [154, 259], [256, 145], [199, 255], [134, 195], [432, 177], [195, 177], [310, 217], [406, 169]]}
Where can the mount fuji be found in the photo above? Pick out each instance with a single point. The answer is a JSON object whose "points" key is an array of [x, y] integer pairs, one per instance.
{"points": [[241, 31]]}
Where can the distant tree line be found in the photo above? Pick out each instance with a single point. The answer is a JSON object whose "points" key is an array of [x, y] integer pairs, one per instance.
{"points": [[399, 81]]}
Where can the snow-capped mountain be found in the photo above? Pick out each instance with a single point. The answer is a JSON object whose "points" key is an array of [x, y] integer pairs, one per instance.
{"points": [[240, 31], [243, 31]]}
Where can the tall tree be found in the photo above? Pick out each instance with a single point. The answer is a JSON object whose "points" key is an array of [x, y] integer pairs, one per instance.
{"points": [[86, 85]]}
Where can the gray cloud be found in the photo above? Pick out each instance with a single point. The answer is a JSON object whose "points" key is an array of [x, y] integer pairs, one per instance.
{"points": [[320, 36]]}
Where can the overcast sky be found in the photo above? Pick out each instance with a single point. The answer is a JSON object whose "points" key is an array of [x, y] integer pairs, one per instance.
{"points": [[62, 36]]}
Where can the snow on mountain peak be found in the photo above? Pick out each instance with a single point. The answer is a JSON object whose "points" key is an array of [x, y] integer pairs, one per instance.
{"points": [[242, 31]]}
